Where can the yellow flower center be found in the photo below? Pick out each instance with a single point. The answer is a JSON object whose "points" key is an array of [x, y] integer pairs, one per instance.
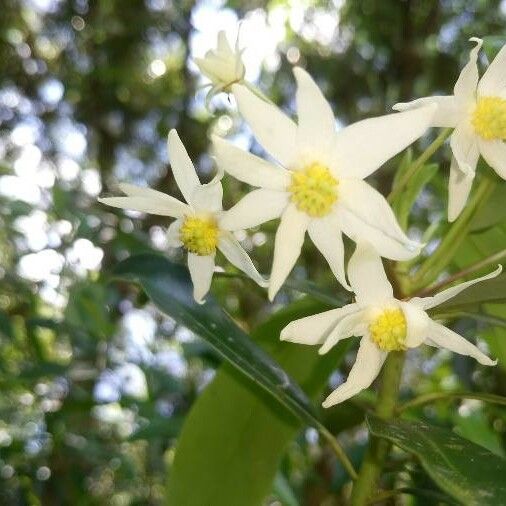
{"points": [[388, 330], [314, 190], [489, 118], [199, 235]]}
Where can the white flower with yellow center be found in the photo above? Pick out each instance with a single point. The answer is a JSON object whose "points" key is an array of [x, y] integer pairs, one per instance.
{"points": [[477, 111], [385, 324], [318, 185], [198, 226], [223, 66]]}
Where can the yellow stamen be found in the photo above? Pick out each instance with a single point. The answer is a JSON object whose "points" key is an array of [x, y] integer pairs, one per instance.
{"points": [[489, 118], [314, 190], [199, 235], [388, 330]]}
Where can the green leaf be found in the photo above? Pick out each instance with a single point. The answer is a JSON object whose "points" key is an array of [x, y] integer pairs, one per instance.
{"points": [[169, 287], [461, 468], [233, 439], [492, 212]]}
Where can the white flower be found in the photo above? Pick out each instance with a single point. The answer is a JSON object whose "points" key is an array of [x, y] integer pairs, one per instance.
{"points": [[222, 66], [318, 185], [385, 324], [477, 111], [197, 227]]}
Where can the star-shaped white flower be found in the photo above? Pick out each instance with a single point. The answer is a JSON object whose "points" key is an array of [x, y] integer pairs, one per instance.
{"points": [[318, 185], [223, 66], [477, 111], [198, 225], [384, 322]]}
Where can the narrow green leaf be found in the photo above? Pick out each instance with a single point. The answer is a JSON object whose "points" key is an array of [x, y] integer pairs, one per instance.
{"points": [[461, 468], [235, 435]]}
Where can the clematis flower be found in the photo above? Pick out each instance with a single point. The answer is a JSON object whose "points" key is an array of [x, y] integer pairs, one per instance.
{"points": [[477, 111], [197, 227], [385, 324], [222, 66], [318, 185]]}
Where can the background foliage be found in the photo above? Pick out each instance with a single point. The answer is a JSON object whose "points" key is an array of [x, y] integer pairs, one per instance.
{"points": [[96, 382]]}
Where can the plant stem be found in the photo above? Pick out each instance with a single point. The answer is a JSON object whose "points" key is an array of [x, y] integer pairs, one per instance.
{"points": [[339, 452], [419, 163], [433, 266], [437, 396], [378, 448]]}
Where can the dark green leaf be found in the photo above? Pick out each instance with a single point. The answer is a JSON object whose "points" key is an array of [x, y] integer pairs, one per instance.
{"points": [[463, 469]]}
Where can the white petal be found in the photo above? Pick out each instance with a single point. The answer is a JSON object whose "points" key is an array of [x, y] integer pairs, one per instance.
{"points": [[493, 81], [208, 197], [316, 124], [364, 371], [182, 167], [448, 112], [494, 153], [459, 187], [364, 147], [351, 325], [275, 131], [465, 87], [365, 215], [287, 246], [417, 324], [253, 209], [314, 329], [249, 168], [326, 236], [236, 255], [443, 337], [223, 45], [464, 144], [174, 233], [201, 271], [168, 207], [449, 293], [367, 276]]}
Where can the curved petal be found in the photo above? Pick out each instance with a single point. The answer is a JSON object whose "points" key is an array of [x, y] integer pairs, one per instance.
{"points": [[494, 153], [314, 329], [459, 187], [351, 325], [223, 46], [275, 131], [449, 293], [364, 371], [236, 255], [253, 209], [465, 87], [442, 337], [166, 207], [182, 167], [287, 246], [365, 215], [362, 148], [326, 236], [417, 324], [316, 123], [367, 276], [208, 197], [493, 81], [174, 234], [201, 271], [448, 112], [249, 168], [464, 144]]}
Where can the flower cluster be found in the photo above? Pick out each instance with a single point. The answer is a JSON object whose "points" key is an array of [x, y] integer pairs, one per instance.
{"points": [[314, 182]]}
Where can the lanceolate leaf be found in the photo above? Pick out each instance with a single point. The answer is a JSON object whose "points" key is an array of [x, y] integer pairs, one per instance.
{"points": [[463, 469], [169, 287]]}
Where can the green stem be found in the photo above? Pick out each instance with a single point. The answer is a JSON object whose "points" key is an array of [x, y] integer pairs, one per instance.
{"points": [[435, 264], [339, 452], [419, 163], [378, 449]]}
